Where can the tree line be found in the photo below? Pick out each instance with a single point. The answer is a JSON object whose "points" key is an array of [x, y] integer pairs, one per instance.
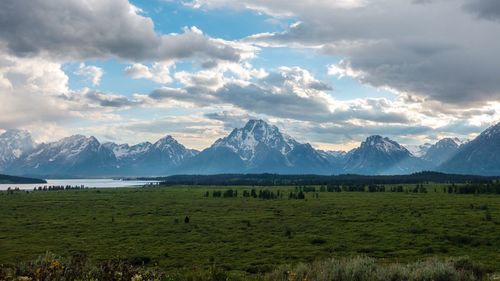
{"points": [[477, 188], [267, 179], [300, 191], [253, 193]]}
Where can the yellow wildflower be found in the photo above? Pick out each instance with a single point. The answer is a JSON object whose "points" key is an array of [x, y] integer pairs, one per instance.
{"points": [[137, 277]]}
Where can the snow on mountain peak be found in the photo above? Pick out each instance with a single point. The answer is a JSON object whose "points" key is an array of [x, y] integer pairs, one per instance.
{"points": [[72, 146], [15, 134], [78, 141], [448, 143], [244, 141], [166, 141], [382, 144], [13, 143]]}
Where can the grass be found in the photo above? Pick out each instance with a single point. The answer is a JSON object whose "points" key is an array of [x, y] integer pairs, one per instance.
{"points": [[246, 236]]}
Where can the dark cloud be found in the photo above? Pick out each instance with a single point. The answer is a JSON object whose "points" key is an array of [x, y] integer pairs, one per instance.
{"points": [[75, 30], [487, 9], [93, 100], [107, 100], [230, 119], [433, 49], [259, 100]]}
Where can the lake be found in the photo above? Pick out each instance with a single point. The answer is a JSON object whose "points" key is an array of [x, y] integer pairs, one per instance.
{"points": [[90, 183]]}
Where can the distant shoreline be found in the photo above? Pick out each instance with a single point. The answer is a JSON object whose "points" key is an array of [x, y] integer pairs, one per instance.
{"points": [[6, 179]]}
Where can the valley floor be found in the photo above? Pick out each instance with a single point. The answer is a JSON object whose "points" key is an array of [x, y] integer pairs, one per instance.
{"points": [[245, 234]]}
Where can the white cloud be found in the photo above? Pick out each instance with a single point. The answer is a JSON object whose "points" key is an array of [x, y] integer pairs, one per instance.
{"points": [[91, 72], [344, 69], [158, 72]]}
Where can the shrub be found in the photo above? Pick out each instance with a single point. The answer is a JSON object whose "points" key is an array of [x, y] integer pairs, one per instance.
{"points": [[51, 267], [366, 269], [318, 241]]}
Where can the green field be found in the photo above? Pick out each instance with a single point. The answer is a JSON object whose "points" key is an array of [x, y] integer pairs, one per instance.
{"points": [[247, 235]]}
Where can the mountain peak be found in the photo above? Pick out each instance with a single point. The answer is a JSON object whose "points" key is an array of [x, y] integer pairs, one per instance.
{"points": [[244, 141], [375, 139], [382, 143], [260, 128], [493, 131], [167, 141], [252, 123], [168, 138], [442, 150], [79, 140], [11, 133], [479, 156], [381, 155], [448, 142], [13, 143]]}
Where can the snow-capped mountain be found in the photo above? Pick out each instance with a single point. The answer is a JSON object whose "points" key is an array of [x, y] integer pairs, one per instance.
{"points": [[81, 156], [258, 147], [245, 141], [171, 150], [480, 156], [72, 156], [255, 148], [441, 151], [379, 155], [13, 144], [150, 159]]}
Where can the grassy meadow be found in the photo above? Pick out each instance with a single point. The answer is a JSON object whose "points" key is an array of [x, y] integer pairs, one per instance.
{"points": [[245, 235]]}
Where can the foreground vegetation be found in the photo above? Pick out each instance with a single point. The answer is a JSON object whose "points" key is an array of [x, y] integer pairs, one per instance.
{"points": [[183, 229], [51, 267]]}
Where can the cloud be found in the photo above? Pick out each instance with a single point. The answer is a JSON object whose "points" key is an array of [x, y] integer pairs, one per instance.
{"points": [[87, 100], [279, 8], [109, 100], [158, 72], [231, 118], [28, 90], [34, 92], [289, 92], [90, 72], [451, 56], [487, 9], [94, 29]]}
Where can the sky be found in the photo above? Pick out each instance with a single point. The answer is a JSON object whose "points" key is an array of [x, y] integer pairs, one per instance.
{"points": [[326, 72]]}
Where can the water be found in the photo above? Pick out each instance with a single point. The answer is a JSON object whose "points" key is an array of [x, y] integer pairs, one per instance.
{"points": [[90, 183]]}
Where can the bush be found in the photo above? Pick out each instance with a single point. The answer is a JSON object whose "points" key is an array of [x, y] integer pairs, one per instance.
{"points": [[51, 267], [318, 241], [366, 269]]}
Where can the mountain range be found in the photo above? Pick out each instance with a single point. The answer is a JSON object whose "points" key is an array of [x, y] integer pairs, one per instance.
{"points": [[257, 147]]}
